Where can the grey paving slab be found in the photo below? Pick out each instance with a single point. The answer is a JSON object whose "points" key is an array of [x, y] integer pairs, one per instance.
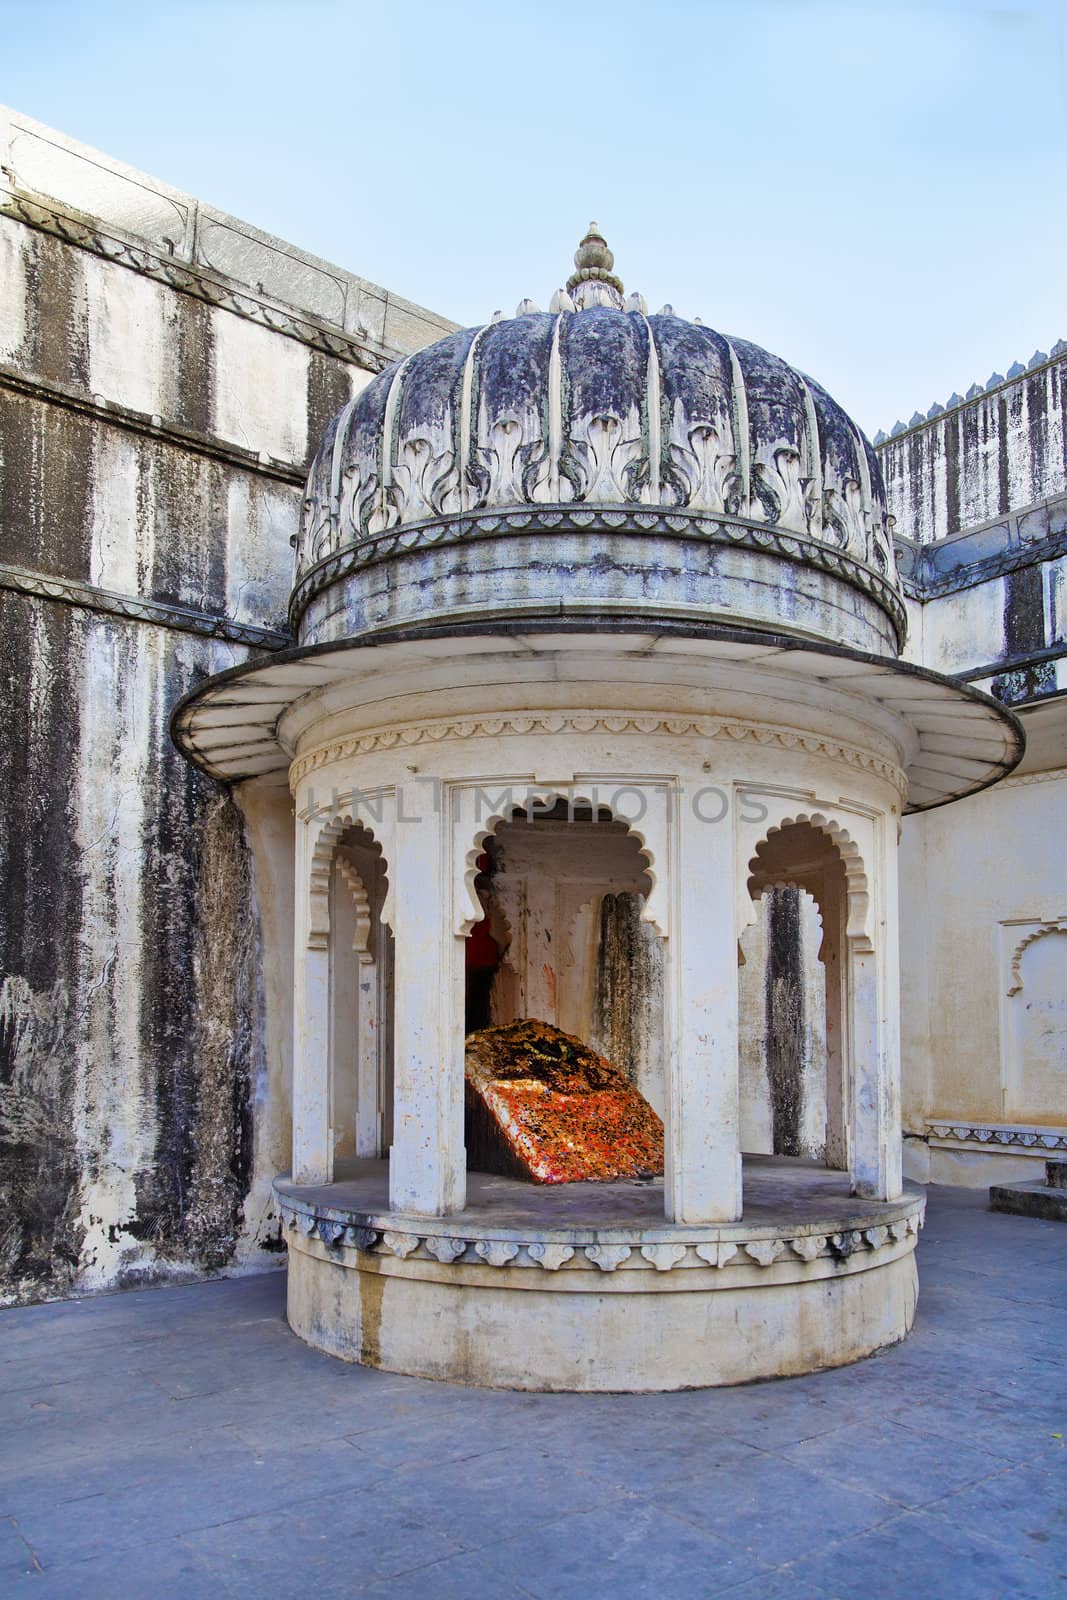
{"points": [[1022, 1507], [16, 1555], [495, 1491], [181, 1442], [774, 1513], [466, 1577], [912, 1556], [335, 1546], [164, 1570], [781, 1585], [32, 1489], [996, 1423], [899, 1463], [629, 1550], [216, 1489]]}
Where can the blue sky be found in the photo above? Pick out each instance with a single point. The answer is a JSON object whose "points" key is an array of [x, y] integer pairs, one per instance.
{"points": [[875, 192]]}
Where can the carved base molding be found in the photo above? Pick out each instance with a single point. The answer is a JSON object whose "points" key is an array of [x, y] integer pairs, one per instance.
{"points": [[660, 1251]]}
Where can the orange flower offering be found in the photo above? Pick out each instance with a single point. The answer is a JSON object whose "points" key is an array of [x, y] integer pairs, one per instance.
{"points": [[542, 1106]]}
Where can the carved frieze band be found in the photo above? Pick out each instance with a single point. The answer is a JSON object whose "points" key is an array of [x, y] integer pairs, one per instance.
{"points": [[1058, 775], [707, 528], [136, 608], [991, 1136], [188, 279], [664, 1256], [592, 722]]}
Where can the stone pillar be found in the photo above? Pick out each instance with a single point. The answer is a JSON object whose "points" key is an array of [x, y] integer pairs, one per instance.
{"points": [[312, 1131], [703, 1154], [427, 1164], [874, 1041], [368, 1072], [833, 955]]}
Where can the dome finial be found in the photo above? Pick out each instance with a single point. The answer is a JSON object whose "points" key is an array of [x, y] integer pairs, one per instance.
{"points": [[593, 283], [593, 250]]}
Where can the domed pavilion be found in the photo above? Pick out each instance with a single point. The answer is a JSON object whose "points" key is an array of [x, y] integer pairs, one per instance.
{"points": [[597, 628]]}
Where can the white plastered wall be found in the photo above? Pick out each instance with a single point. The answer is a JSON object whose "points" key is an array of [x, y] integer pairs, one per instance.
{"points": [[984, 886]]}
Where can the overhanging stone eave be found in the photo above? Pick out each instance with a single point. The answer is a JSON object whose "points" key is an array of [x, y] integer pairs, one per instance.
{"points": [[316, 666]]}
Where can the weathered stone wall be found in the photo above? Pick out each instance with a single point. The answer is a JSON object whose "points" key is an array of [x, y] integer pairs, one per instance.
{"points": [[979, 494], [1001, 450], [154, 432]]}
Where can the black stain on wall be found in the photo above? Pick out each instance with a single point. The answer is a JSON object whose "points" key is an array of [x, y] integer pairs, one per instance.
{"points": [[56, 345], [784, 1013], [46, 486], [194, 365], [1024, 631], [96, 919], [628, 995], [39, 949], [329, 387], [199, 1021]]}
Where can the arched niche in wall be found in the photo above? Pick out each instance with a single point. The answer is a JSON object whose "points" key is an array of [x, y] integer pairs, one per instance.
{"points": [[1034, 1022]]}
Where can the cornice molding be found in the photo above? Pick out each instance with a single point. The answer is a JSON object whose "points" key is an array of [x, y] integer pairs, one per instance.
{"points": [[924, 584], [154, 427], [187, 278], [137, 608], [405, 735]]}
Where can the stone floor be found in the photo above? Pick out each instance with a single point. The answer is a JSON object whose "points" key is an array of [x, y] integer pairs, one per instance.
{"points": [[181, 1442]]}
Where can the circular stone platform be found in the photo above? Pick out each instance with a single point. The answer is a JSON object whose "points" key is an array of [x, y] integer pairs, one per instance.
{"points": [[584, 1287]]}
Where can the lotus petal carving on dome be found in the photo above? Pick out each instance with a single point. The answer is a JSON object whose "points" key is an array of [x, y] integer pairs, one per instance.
{"points": [[780, 494], [605, 460], [845, 517], [315, 539], [425, 481], [878, 554], [359, 496], [702, 470], [512, 466]]}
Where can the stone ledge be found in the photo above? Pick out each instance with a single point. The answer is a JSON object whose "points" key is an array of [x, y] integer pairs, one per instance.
{"points": [[1030, 1200]]}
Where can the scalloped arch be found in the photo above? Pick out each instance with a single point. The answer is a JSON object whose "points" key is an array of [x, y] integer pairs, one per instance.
{"points": [[857, 888], [349, 875], [320, 866], [472, 912], [1023, 945]]}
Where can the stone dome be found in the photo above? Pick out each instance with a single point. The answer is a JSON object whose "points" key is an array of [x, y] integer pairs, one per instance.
{"points": [[594, 457]]}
